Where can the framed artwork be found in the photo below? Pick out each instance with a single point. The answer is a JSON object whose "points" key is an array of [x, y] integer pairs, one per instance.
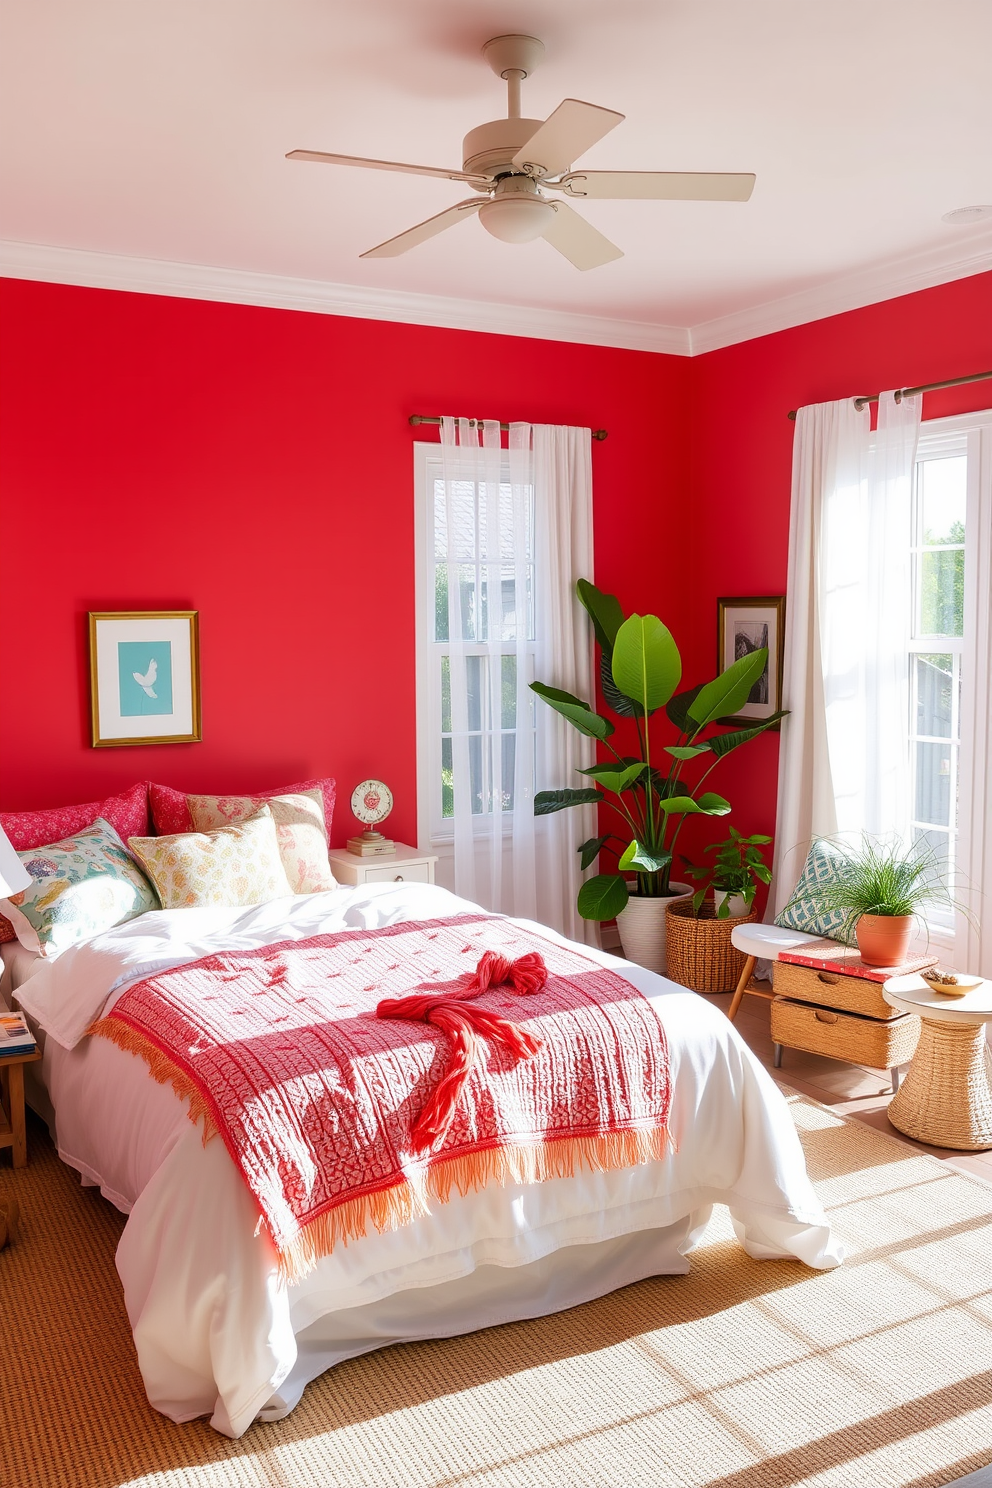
{"points": [[745, 624], [145, 677]]}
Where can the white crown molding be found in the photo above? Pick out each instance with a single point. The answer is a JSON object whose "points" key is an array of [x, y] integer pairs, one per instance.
{"points": [[238, 286], [242, 287], [885, 281]]}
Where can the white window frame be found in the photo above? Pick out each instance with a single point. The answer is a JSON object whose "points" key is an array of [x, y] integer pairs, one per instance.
{"points": [[938, 446], [432, 828], [970, 434]]}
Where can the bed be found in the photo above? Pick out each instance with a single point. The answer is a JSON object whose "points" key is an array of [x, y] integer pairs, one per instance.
{"points": [[220, 1332]]}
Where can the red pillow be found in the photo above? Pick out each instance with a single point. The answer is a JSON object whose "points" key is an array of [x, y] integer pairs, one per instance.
{"points": [[170, 811], [126, 813]]}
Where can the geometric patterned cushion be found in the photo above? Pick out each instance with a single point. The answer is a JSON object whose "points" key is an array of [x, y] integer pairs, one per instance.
{"points": [[803, 911], [79, 887], [300, 830], [237, 864]]}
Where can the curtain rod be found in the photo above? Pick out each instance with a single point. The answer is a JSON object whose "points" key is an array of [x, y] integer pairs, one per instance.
{"points": [[911, 392], [429, 418]]}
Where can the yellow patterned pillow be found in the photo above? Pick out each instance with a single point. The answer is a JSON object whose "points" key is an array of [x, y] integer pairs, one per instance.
{"points": [[239, 864], [300, 830]]}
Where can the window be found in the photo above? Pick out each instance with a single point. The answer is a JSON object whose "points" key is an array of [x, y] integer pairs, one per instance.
{"points": [[950, 662], [939, 518], [475, 639]]}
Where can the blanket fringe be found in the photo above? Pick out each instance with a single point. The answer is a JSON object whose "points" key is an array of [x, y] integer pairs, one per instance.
{"points": [[391, 1208], [467, 1173], [161, 1068]]}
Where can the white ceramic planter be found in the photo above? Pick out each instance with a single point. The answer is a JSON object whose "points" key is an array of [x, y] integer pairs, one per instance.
{"points": [[737, 906], [642, 926]]}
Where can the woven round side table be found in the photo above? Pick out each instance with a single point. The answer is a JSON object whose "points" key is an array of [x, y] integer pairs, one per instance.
{"points": [[946, 1096]]}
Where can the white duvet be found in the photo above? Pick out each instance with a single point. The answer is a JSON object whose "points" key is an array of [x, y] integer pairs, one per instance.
{"points": [[217, 1332]]}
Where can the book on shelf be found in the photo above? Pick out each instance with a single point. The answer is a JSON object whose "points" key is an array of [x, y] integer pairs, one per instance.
{"points": [[15, 1035], [833, 955]]}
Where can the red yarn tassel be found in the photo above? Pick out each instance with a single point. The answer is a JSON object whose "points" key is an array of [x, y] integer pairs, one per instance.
{"points": [[461, 1022]]}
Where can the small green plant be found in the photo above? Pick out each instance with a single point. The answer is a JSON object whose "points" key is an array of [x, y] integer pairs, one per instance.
{"points": [[738, 868], [875, 878]]}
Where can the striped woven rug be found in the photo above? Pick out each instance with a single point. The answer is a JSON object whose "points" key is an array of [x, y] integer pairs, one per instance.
{"points": [[742, 1374]]}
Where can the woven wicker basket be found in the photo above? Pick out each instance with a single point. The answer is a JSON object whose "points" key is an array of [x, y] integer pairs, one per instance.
{"points": [[848, 1036], [700, 955]]}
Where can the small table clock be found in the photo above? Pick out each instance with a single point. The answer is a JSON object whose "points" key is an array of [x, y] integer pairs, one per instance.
{"points": [[371, 803]]}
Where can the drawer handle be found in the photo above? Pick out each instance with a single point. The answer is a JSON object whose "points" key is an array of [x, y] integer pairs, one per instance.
{"points": [[825, 976], [398, 878], [824, 1017]]}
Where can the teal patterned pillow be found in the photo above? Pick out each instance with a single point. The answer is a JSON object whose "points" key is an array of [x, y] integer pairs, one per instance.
{"points": [[804, 911], [83, 885]]}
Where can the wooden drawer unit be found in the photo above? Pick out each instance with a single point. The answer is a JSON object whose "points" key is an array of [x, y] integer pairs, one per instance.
{"points": [[849, 994], [879, 1043]]}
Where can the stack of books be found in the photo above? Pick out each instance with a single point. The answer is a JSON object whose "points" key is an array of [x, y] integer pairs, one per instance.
{"points": [[15, 1035]]}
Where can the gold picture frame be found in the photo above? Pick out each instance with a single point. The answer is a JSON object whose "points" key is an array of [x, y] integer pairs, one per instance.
{"points": [[744, 623], [144, 677]]}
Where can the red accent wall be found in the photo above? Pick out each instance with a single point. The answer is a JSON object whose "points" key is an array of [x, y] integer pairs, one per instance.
{"points": [[257, 465], [741, 464]]}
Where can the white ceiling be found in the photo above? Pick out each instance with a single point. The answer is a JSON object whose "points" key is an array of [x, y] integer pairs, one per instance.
{"points": [[156, 130]]}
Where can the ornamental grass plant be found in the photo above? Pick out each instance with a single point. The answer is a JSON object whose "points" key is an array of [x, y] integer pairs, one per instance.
{"points": [[885, 879]]}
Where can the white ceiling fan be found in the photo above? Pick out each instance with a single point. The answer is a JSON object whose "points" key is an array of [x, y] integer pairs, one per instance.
{"points": [[511, 162]]}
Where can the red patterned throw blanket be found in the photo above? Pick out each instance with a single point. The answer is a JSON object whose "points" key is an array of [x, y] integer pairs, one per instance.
{"points": [[320, 1101]]}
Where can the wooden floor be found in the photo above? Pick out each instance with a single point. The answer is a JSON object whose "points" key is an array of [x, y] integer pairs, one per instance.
{"points": [[854, 1091]]}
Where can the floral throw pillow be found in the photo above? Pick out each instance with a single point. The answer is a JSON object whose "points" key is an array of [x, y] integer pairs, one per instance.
{"points": [[803, 911], [171, 813], [126, 813], [300, 831], [81, 886], [236, 864]]}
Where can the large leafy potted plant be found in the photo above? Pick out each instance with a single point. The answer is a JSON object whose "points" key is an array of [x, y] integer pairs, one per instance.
{"points": [[649, 792]]}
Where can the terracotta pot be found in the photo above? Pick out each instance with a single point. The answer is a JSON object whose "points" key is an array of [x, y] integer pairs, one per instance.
{"points": [[883, 940], [642, 926]]}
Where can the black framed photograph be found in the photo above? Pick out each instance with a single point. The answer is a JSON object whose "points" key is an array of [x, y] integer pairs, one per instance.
{"points": [[747, 623]]}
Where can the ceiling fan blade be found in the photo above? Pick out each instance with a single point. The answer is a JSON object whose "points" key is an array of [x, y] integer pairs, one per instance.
{"points": [[387, 165], [564, 136], [580, 242], [656, 185], [404, 241]]}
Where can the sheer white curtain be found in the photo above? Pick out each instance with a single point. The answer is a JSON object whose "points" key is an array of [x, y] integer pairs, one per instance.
{"points": [[517, 532], [844, 760]]}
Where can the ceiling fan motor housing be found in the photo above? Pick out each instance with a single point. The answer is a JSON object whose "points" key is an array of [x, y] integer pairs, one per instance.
{"points": [[489, 150]]}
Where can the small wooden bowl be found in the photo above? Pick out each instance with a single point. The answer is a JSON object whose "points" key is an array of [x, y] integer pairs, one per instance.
{"points": [[963, 985]]}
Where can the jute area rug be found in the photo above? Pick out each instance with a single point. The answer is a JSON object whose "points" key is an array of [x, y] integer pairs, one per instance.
{"points": [[743, 1374]]}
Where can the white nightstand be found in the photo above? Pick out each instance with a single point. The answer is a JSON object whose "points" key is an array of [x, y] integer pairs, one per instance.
{"points": [[405, 865]]}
